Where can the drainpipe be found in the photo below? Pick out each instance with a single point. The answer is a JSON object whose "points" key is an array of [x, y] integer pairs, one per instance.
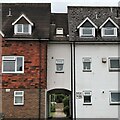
{"points": [[71, 80], [73, 84], [74, 81], [40, 80]]}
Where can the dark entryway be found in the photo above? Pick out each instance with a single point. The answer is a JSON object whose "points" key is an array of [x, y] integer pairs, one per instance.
{"points": [[59, 103]]}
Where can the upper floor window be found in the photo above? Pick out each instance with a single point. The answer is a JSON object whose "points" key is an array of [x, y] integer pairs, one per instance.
{"points": [[18, 97], [109, 28], [59, 65], [12, 64], [109, 31], [59, 31], [87, 64], [114, 63], [87, 28], [114, 97], [22, 29], [87, 32]]}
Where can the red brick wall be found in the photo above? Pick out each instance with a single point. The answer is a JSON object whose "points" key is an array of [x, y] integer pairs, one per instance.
{"points": [[34, 69], [30, 109], [35, 72]]}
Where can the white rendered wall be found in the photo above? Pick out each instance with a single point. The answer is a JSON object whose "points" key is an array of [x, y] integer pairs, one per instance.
{"points": [[58, 80], [99, 80]]}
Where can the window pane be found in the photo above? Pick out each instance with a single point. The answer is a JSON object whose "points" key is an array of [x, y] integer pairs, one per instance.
{"points": [[114, 64], [87, 31], [25, 28], [19, 28], [115, 97], [59, 67], [9, 66], [19, 64], [86, 65], [18, 93], [18, 99], [87, 99], [109, 31]]}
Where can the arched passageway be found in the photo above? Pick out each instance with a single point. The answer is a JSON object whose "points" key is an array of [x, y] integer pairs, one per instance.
{"points": [[59, 103]]}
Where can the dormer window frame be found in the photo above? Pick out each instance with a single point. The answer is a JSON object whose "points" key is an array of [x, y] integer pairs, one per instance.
{"points": [[22, 29], [109, 35], [103, 28], [16, 24], [81, 31], [81, 28]]}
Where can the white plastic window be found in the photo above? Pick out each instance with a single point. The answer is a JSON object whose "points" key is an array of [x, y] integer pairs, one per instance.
{"points": [[12, 64], [18, 97]]}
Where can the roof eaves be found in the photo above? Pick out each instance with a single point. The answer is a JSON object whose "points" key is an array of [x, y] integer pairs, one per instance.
{"points": [[85, 21], [110, 21], [1, 33], [23, 15]]}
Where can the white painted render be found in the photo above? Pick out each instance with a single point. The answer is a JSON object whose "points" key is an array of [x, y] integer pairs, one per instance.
{"points": [[58, 80], [97, 81]]}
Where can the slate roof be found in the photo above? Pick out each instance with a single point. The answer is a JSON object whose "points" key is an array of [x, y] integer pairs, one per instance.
{"points": [[98, 15], [59, 20], [38, 13]]}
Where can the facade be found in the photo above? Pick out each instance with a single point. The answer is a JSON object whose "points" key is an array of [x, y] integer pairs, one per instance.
{"points": [[24, 74], [75, 53], [95, 34]]}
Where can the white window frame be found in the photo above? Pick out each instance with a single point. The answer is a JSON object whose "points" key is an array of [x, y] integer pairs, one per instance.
{"points": [[22, 95], [87, 93], [12, 58], [113, 58], [112, 28], [86, 35], [111, 102], [59, 62], [87, 59], [17, 32], [59, 31]]}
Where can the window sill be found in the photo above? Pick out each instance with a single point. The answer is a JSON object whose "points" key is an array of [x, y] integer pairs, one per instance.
{"points": [[87, 103], [114, 70], [87, 70], [114, 103], [18, 104], [12, 72], [59, 72]]}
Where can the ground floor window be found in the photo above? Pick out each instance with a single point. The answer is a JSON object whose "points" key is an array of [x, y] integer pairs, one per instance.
{"points": [[114, 97], [18, 97], [87, 99]]}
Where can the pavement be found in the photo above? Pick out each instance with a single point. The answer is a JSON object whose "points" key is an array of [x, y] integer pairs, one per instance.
{"points": [[59, 111]]}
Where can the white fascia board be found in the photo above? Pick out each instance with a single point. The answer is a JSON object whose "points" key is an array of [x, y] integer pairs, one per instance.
{"points": [[1, 33], [110, 21], [23, 15], [85, 21]]}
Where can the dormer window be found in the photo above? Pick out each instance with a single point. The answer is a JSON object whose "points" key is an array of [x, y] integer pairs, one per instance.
{"points": [[22, 28], [87, 28], [59, 31], [109, 31], [87, 32], [109, 28]]}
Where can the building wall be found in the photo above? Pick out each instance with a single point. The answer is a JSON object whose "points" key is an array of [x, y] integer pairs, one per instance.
{"points": [[97, 81], [58, 80], [32, 81]]}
